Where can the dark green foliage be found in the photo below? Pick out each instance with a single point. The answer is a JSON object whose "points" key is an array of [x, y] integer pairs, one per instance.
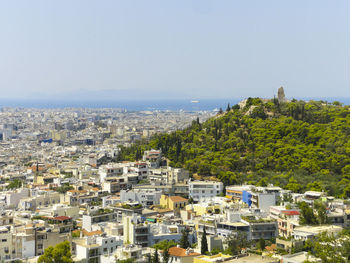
{"points": [[228, 107], [321, 212], [330, 248], [261, 244], [297, 145], [58, 254], [215, 251], [307, 216], [184, 243], [235, 242], [204, 243], [310, 216], [64, 188], [166, 256], [14, 184], [155, 258]]}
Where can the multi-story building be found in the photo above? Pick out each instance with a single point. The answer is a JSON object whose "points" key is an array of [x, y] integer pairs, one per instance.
{"points": [[97, 216], [204, 189], [115, 184], [110, 170], [90, 249], [144, 197], [135, 231]]}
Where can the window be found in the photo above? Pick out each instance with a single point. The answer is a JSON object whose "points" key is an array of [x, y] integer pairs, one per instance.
{"points": [[3, 240]]}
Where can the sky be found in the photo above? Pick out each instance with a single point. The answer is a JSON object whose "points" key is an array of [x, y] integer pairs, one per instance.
{"points": [[183, 49]]}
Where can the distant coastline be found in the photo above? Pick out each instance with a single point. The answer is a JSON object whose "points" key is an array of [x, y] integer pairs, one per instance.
{"points": [[162, 105]]}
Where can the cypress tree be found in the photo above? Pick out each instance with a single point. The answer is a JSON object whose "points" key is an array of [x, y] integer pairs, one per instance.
{"points": [[204, 242], [184, 243], [155, 258]]}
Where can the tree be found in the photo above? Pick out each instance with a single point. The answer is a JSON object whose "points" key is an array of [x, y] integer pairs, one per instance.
{"points": [[261, 244], [58, 254], [321, 212], [228, 107], [204, 242], [164, 244], [331, 248], [235, 242], [155, 258], [166, 256], [307, 216], [14, 184], [184, 243]]}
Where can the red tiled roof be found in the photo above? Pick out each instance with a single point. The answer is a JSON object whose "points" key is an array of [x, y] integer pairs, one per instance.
{"points": [[181, 252], [176, 199], [291, 213]]}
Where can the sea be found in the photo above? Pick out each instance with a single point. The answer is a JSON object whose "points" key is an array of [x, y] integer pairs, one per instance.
{"points": [[142, 105]]}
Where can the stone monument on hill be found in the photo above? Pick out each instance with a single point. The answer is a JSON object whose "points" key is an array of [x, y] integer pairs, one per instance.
{"points": [[281, 95]]}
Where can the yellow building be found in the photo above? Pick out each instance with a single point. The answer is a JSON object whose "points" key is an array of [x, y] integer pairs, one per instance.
{"points": [[215, 258], [173, 202], [204, 208]]}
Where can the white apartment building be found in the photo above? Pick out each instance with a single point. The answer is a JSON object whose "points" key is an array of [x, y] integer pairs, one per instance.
{"points": [[90, 249], [199, 190], [144, 197], [110, 170]]}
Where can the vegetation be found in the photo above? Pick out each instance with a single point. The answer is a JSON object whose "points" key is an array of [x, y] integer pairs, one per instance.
{"points": [[58, 254], [204, 243], [184, 243], [166, 256], [64, 188], [235, 242], [330, 248], [126, 206], [165, 244], [14, 184], [310, 217], [76, 233], [129, 260], [155, 257], [297, 145], [261, 244]]}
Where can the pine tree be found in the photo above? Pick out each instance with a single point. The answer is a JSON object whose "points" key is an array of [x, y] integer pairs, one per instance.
{"points": [[204, 242], [228, 107]]}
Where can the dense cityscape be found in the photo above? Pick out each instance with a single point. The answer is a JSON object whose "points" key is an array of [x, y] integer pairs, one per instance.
{"points": [[65, 188], [187, 131]]}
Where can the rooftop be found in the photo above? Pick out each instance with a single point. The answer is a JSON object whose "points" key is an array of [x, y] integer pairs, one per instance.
{"points": [[181, 252]]}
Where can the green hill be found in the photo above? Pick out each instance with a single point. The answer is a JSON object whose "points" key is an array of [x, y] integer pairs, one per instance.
{"points": [[296, 145]]}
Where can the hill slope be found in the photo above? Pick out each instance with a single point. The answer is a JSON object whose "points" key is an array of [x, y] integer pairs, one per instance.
{"points": [[297, 145]]}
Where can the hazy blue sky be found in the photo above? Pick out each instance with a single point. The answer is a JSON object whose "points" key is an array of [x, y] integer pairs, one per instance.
{"points": [[81, 49]]}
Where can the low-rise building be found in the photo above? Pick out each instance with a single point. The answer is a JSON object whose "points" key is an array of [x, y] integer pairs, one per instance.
{"points": [[173, 202]]}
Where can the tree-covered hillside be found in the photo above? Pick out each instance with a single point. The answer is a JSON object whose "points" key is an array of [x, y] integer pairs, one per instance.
{"points": [[296, 145]]}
